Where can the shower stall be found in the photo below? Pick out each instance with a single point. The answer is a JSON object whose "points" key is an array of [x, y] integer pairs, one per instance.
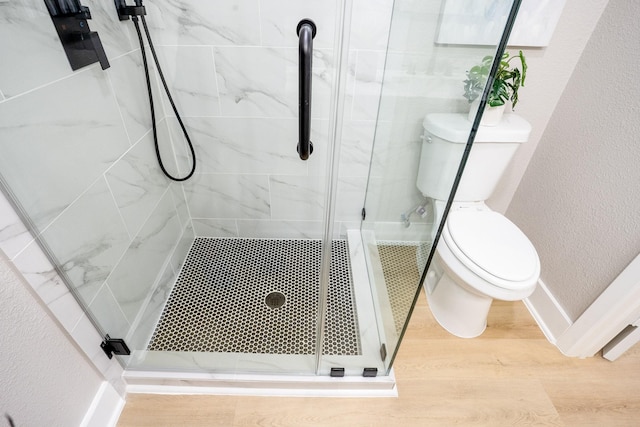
{"points": [[261, 262]]}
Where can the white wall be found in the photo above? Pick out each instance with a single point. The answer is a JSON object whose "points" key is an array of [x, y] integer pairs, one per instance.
{"points": [[579, 199], [45, 380], [550, 69]]}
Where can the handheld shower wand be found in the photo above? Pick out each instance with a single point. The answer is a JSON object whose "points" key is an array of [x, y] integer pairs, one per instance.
{"points": [[125, 12]]}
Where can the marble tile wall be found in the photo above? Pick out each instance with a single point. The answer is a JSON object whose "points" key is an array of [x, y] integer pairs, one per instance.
{"points": [[77, 155], [233, 70], [234, 74]]}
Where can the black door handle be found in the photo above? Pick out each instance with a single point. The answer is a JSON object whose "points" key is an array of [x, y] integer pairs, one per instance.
{"points": [[306, 31]]}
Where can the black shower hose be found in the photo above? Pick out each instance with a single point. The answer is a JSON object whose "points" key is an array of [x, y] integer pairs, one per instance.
{"points": [[166, 89]]}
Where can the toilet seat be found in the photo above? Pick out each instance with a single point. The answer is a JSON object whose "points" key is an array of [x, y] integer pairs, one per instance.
{"points": [[494, 249]]}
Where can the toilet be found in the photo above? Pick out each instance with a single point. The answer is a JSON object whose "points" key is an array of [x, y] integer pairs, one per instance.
{"points": [[481, 255]]}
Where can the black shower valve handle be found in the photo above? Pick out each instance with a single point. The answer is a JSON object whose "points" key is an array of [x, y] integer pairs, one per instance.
{"points": [[81, 45], [96, 45]]}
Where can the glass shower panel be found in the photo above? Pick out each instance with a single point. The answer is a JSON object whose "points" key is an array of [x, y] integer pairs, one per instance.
{"points": [[220, 273], [256, 209], [423, 75]]}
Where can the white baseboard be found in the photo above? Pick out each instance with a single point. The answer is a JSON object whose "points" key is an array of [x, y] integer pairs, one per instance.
{"points": [[617, 307], [548, 312], [105, 408]]}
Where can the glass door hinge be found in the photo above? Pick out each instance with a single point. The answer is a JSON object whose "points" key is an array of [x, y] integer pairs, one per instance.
{"points": [[383, 352], [112, 346]]}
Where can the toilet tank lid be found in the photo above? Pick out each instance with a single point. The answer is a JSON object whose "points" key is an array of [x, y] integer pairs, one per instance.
{"points": [[456, 127]]}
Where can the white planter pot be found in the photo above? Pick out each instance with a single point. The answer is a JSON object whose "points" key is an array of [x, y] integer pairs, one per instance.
{"points": [[491, 116]]}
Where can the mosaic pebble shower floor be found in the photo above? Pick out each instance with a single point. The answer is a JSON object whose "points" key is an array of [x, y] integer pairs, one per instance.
{"points": [[220, 300]]}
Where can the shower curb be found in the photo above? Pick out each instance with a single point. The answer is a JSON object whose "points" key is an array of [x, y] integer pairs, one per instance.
{"points": [[260, 385]]}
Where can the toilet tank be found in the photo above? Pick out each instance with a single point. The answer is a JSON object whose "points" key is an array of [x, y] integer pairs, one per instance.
{"points": [[445, 137]]}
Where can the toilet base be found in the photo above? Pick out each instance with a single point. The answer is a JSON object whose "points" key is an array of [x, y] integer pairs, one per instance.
{"points": [[460, 312]]}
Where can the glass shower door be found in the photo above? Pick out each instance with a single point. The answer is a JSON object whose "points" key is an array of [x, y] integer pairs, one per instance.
{"points": [[256, 208], [217, 274], [425, 67]]}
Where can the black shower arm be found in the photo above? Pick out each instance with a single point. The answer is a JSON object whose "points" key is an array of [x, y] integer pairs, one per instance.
{"points": [[306, 32]]}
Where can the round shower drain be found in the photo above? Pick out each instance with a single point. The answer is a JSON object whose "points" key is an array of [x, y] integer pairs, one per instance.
{"points": [[275, 300]]}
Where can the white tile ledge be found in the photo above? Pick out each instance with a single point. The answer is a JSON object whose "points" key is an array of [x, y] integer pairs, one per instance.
{"points": [[259, 385]]}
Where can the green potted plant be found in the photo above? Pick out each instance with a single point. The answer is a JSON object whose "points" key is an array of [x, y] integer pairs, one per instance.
{"points": [[505, 86]]}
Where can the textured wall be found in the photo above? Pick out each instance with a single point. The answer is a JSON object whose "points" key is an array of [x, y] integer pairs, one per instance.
{"points": [[579, 199], [44, 381]]}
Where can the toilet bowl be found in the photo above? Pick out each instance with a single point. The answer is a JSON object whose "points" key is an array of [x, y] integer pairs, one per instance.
{"points": [[481, 256]]}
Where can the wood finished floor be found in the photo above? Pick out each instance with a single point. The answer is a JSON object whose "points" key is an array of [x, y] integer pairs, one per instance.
{"points": [[509, 376]]}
